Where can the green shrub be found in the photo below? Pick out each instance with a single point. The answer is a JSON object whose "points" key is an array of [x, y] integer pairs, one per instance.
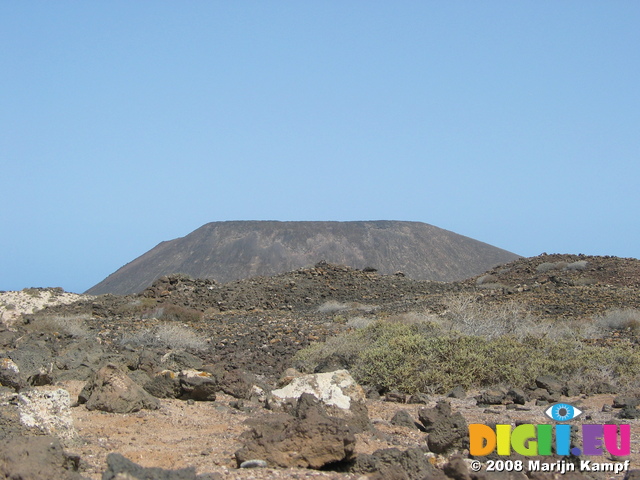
{"points": [[423, 357]]}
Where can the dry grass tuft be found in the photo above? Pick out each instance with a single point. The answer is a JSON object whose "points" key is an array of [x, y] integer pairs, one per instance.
{"points": [[174, 336]]}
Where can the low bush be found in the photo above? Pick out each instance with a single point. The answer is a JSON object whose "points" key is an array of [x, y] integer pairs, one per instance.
{"points": [[620, 319], [73, 326], [33, 292], [169, 335], [333, 306], [579, 265], [424, 357], [547, 266], [484, 279], [466, 314], [359, 322]]}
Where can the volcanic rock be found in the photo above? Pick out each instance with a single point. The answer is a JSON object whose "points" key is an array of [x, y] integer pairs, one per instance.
{"points": [[35, 361], [164, 384], [622, 401], [402, 418], [35, 458], [458, 392], [119, 467], [392, 463], [550, 383], [46, 411], [312, 439], [491, 397], [457, 469], [198, 385], [447, 430], [244, 385], [338, 391], [10, 375], [111, 390]]}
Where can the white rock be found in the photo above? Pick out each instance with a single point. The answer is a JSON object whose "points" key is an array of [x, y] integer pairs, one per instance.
{"points": [[10, 365], [337, 389], [47, 410], [194, 373]]}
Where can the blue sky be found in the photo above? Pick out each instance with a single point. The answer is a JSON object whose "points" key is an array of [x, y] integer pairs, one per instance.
{"points": [[123, 124]]}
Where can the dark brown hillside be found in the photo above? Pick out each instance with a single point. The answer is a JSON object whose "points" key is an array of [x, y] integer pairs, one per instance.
{"points": [[227, 251], [563, 285]]}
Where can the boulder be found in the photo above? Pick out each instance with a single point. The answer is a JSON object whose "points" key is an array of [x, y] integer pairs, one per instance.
{"points": [[338, 392], [550, 383], [180, 360], [418, 398], [310, 439], [458, 392], [37, 457], [491, 397], [402, 418], [243, 385], [395, 397], [45, 411], [392, 463], [518, 396], [447, 431], [198, 385], [111, 390], [35, 361], [288, 376], [457, 469], [10, 424], [121, 468], [622, 401], [10, 375], [164, 384]]}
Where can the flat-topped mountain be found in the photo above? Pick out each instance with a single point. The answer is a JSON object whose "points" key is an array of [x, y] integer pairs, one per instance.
{"points": [[227, 251]]}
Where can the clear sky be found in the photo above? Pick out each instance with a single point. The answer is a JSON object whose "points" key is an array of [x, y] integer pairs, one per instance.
{"points": [[126, 123]]}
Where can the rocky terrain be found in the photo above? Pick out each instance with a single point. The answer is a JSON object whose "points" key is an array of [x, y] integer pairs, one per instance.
{"points": [[14, 304], [227, 251], [192, 378]]}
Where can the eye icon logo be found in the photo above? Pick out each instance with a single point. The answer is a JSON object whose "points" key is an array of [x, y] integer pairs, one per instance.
{"points": [[562, 412]]}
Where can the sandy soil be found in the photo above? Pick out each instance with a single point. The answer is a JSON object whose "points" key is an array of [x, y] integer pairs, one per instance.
{"points": [[205, 435], [30, 300]]}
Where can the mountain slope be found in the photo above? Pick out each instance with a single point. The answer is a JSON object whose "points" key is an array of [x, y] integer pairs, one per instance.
{"points": [[227, 251]]}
